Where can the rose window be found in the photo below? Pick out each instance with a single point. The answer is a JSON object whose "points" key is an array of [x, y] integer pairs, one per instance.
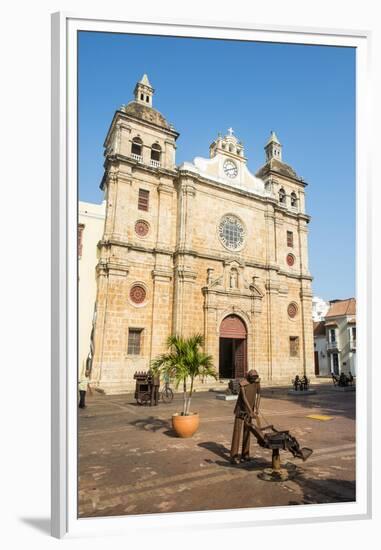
{"points": [[290, 259], [138, 294], [231, 232], [292, 310], [141, 228]]}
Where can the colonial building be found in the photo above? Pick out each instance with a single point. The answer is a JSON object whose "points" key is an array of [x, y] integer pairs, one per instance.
{"points": [[340, 325], [91, 219], [204, 247], [322, 358], [335, 339]]}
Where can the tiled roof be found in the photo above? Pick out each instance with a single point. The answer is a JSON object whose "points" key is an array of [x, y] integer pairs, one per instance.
{"points": [[278, 166], [146, 113], [319, 328], [342, 307]]}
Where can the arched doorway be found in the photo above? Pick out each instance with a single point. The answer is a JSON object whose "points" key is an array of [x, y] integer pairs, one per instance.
{"points": [[233, 348]]}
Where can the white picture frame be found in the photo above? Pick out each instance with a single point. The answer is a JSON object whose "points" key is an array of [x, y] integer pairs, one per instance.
{"points": [[64, 278]]}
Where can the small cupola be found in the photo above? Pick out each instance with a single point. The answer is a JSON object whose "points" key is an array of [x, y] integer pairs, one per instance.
{"points": [[227, 145], [144, 91], [273, 148]]}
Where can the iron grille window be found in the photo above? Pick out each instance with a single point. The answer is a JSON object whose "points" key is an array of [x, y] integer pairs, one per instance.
{"points": [[290, 239], [143, 200], [134, 341], [294, 346]]}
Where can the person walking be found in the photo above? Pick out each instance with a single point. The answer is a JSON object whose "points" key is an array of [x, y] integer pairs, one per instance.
{"points": [[247, 406], [83, 385]]}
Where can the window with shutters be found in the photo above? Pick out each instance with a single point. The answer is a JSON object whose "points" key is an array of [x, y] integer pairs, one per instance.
{"points": [[143, 200], [294, 346], [134, 341], [290, 239]]}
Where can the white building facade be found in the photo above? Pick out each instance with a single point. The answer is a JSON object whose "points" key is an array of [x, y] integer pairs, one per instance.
{"points": [[91, 218], [335, 339]]}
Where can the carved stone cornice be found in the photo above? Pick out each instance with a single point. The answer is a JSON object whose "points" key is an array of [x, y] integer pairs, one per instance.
{"points": [[162, 274], [164, 188], [184, 273], [306, 293], [106, 267], [272, 287]]}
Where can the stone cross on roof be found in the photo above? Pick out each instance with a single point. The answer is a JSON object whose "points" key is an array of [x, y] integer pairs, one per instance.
{"points": [[231, 131]]}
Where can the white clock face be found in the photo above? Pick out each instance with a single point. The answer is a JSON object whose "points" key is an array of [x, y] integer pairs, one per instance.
{"points": [[230, 169]]}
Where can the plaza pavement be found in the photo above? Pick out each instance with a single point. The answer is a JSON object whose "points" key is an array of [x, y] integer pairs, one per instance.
{"points": [[131, 462]]}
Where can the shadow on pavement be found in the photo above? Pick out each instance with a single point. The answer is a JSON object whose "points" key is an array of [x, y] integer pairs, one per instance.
{"points": [[256, 463], [216, 448], [151, 424], [328, 400], [320, 491]]}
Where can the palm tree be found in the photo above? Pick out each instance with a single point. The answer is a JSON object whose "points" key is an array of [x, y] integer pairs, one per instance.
{"points": [[184, 360]]}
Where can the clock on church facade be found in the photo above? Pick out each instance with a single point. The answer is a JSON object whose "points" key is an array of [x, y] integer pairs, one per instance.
{"points": [[206, 247]]}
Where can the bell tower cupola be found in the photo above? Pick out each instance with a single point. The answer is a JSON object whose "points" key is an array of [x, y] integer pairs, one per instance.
{"points": [[273, 148], [228, 145], [144, 91]]}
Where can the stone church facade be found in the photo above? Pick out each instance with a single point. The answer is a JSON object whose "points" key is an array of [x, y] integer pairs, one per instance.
{"points": [[205, 247]]}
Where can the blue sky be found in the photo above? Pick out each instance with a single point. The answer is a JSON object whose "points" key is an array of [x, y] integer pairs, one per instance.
{"points": [[305, 93]]}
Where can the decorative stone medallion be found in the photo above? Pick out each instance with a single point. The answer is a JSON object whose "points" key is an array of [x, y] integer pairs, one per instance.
{"points": [[138, 294], [231, 232], [292, 310], [290, 259], [141, 228]]}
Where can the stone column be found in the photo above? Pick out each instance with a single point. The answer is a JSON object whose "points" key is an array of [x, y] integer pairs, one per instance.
{"points": [[307, 344], [270, 236], [109, 335], [169, 154], [165, 214], [303, 247], [256, 310], [272, 289], [101, 301], [184, 273], [161, 310], [117, 198], [122, 200]]}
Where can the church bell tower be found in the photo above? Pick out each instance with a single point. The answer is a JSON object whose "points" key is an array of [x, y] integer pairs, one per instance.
{"points": [[273, 148]]}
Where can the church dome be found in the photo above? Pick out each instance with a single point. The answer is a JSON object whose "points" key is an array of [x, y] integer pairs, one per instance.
{"points": [[144, 112], [278, 166]]}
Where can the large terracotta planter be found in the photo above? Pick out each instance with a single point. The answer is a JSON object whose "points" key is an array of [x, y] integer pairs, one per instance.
{"points": [[185, 426]]}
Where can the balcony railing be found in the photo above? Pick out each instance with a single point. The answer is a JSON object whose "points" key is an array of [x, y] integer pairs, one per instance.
{"points": [[139, 158], [332, 346], [155, 163]]}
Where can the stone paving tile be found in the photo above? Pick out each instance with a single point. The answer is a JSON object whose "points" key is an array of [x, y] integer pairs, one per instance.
{"points": [[130, 462]]}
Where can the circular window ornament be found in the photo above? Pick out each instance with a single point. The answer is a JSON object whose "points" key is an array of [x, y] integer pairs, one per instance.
{"points": [[290, 259], [292, 310], [141, 228], [138, 294], [231, 232]]}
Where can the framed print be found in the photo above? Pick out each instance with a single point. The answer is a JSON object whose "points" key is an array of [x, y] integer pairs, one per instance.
{"points": [[211, 275]]}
